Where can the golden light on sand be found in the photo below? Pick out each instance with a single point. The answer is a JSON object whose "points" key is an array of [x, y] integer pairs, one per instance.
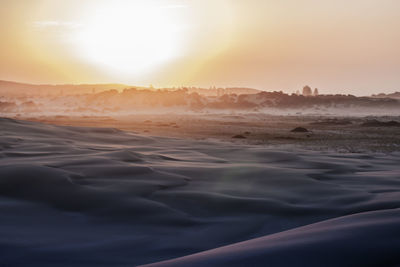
{"points": [[130, 37]]}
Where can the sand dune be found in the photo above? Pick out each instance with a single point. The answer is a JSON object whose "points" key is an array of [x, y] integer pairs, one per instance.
{"points": [[365, 239], [80, 196]]}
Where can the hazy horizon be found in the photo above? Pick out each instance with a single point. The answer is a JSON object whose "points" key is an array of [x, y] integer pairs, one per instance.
{"points": [[338, 47]]}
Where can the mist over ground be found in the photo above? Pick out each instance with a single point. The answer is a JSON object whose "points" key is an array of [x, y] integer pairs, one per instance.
{"points": [[20, 99]]}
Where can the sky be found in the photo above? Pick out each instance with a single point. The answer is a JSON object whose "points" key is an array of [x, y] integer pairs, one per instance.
{"points": [[338, 46]]}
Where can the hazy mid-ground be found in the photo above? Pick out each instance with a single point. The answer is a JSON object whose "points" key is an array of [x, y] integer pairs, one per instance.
{"points": [[334, 133]]}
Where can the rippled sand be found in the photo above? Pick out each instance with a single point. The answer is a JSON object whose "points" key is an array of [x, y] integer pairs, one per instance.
{"points": [[81, 196]]}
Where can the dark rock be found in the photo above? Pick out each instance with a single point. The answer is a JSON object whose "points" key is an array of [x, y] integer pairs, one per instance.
{"points": [[376, 123], [239, 136], [299, 130]]}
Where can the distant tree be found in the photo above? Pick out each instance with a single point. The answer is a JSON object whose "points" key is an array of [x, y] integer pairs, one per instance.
{"points": [[307, 90], [316, 92], [297, 92]]}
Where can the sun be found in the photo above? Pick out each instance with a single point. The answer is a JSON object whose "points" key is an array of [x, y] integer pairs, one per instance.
{"points": [[129, 37]]}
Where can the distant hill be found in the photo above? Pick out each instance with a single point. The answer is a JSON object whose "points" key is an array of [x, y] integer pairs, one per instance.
{"points": [[223, 91], [392, 95], [8, 88], [16, 89]]}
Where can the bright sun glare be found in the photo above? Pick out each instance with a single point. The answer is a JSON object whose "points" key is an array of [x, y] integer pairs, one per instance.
{"points": [[129, 37]]}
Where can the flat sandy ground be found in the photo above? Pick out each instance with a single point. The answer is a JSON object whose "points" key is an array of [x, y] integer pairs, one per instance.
{"points": [[340, 134]]}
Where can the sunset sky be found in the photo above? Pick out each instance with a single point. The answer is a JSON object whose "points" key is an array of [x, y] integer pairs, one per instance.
{"points": [[340, 46]]}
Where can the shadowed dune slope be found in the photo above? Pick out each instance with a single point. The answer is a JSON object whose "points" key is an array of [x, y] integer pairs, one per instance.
{"points": [[79, 196], [366, 239]]}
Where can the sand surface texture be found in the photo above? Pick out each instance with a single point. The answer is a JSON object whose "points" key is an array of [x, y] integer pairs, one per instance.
{"points": [[81, 196]]}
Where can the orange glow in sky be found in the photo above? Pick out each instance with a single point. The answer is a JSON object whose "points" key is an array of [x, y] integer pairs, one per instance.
{"points": [[338, 46]]}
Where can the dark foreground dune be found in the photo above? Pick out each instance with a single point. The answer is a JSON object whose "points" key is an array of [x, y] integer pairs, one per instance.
{"points": [[78, 196], [365, 239]]}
